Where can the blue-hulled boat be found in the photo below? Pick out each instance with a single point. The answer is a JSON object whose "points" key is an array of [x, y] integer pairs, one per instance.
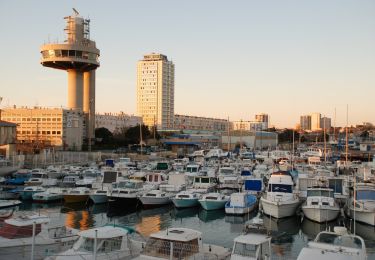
{"points": [[240, 203]]}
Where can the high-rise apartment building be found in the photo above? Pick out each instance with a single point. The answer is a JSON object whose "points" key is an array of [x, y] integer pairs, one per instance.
{"points": [[325, 122], [155, 91], [305, 122], [262, 118], [315, 122]]}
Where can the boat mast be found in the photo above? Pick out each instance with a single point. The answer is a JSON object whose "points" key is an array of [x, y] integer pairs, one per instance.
{"points": [[346, 146], [228, 141], [325, 144]]}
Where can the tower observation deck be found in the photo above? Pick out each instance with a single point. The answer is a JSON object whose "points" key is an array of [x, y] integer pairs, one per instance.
{"points": [[79, 56]]}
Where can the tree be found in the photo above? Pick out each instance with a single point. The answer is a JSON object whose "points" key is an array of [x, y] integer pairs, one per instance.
{"points": [[131, 135], [104, 134]]}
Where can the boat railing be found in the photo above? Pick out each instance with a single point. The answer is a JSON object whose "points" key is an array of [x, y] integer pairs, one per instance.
{"points": [[176, 250]]}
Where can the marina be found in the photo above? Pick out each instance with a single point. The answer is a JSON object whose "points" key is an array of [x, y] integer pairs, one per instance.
{"points": [[292, 205], [245, 132]]}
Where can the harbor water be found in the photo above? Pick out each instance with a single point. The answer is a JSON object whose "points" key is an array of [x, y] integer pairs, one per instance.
{"points": [[290, 234]]}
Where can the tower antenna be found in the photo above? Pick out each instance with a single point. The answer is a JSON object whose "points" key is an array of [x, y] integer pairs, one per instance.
{"points": [[75, 11]]}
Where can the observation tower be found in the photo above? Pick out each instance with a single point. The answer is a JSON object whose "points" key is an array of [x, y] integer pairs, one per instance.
{"points": [[79, 56]]}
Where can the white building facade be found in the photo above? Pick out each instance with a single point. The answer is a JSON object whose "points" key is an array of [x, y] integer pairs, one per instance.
{"points": [[155, 91], [116, 121]]}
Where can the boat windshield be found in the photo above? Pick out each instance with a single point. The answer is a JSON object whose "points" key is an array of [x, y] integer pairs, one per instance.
{"points": [[104, 245], [192, 169], [280, 188], [365, 195], [226, 171], [37, 175], [247, 250], [323, 193], [161, 248], [126, 185], [337, 240]]}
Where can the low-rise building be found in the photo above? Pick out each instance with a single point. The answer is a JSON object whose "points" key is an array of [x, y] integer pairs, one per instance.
{"points": [[115, 121], [250, 139], [184, 122], [58, 127]]}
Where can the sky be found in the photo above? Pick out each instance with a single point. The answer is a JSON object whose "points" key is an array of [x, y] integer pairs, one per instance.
{"points": [[232, 58]]}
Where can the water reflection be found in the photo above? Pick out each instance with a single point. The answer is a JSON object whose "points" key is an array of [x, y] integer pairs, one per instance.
{"points": [[311, 228], [210, 215], [81, 220], [185, 213]]}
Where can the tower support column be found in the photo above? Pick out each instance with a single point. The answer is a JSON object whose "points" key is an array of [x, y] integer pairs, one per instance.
{"points": [[75, 89], [89, 103]]}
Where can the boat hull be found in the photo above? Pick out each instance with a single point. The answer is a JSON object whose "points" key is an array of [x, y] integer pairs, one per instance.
{"points": [[9, 203], [321, 214], [28, 195], [212, 205], [41, 251], [75, 198], [46, 199], [367, 217], [123, 202], [239, 210], [279, 209], [185, 203], [155, 201], [98, 199]]}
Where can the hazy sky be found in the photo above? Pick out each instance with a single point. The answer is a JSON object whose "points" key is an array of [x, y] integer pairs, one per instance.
{"points": [[232, 58]]}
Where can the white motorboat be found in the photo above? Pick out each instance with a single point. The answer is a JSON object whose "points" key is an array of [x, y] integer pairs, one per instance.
{"points": [[364, 201], [334, 245], [252, 246], [9, 203], [126, 192], [156, 198], [240, 203], [40, 178], [180, 243], [50, 195], [279, 200], [88, 178], [213, 200], [186, 199], [320, 205], [16, 237], [111, 242]]}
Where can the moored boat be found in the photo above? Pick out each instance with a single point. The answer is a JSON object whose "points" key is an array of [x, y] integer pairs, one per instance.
{"points": [[334, 245], [180, 243], [27, 192], [279, 200], [186, 199], [240, 203], [112, 242], [320, 205], [213, 200], [75, 195], [155, 198], [16, 237]]}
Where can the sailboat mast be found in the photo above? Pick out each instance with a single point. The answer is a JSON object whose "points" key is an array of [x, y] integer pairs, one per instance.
{"points": [[325, 143], [346, 146], [228, 129]]}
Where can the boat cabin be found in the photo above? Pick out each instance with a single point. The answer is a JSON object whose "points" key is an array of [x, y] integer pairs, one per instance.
{"points": [[252, 246], [108, 239], [22, 226], [174, 243]]}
